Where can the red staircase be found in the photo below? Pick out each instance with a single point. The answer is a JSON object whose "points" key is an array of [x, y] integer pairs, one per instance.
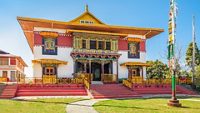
{"points": [[111, 91], [185, 90], [9, 92], [52, 90], [162, 89]]}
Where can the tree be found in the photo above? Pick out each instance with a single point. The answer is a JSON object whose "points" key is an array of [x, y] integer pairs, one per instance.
{"points": [[157, 69], [189, 55], [198, 71]]}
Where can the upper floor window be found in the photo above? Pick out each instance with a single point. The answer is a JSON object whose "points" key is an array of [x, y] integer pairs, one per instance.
{"points": [[49, 47], [4, 61], [108, 45], [93, 44], [84, 44], [101, 45], [133, 48]]}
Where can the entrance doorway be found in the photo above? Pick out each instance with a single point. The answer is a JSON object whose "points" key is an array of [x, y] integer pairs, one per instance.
{"points": [[96, 71], [97, 68]]}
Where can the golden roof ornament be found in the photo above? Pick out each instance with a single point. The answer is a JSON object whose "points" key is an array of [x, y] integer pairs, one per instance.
{"points": [[86, 8]]}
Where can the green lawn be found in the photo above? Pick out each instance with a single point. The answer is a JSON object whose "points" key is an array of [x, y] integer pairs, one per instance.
{"points": [[154, 105], [56, 105]]}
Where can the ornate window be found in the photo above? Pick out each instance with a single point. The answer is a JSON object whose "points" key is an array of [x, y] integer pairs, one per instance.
{"points": [[100, 45], [49, 47], [93, 44], [108, 45], [49, 70], [133, 72], [133, 48], [114, 46], [84, 44]]}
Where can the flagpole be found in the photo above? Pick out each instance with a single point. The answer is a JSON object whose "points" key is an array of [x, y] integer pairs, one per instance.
{"points": [[193, 52], [171, 53]]}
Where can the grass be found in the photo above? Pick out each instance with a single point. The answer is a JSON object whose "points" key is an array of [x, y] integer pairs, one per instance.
{"points": [[154, 105], [53, 105]]}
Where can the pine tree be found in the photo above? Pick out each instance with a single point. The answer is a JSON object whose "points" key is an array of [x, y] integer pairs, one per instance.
{"points": [[189, 55]]}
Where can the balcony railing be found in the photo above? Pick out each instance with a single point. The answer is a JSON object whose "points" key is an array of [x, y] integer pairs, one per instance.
{"points": [[94, 51], [3, 79], [109, 78], [49, 79]]}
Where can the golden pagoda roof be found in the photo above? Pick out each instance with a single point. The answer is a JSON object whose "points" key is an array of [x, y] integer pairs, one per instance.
{"points": [[86, 16], [49, 61], [28, 25], [134, 64]]}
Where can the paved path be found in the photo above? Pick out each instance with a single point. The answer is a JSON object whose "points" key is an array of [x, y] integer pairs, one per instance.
{"points": [[84, 106]]}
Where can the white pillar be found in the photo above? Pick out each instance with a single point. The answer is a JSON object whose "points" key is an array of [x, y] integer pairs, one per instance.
{"points": [[141, 71], [114, 67], [144, 72], [9, 61], [0, 73]]}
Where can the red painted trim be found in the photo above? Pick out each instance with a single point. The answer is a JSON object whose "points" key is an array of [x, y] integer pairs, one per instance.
{"points": [[37, 39], [122, 44], [65, 41], [143, 46]]}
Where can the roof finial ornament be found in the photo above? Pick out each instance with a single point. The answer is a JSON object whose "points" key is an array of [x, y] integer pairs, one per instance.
{"points": [[86, 8]]}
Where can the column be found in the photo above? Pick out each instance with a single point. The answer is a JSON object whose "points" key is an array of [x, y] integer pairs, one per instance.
{"points": [[90, 67], [102, 70], [9, 61], [110, 70], [74, 65], [117, 71], [85, 66], [144, 72]]}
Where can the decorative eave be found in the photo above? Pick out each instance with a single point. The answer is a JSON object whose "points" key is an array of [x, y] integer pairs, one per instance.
{"points": [[94, 55], [134, 40], [28, 24], [95, 32], [49, 61], [49, 34], [134, 64]]}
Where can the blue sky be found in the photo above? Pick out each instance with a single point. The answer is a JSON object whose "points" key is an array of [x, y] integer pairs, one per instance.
{"points": [[141, 13]]}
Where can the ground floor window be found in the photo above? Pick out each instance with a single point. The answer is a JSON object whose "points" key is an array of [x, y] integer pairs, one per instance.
{"points": [[49, 70], [133, 72], [5, 74], [12, 76]]}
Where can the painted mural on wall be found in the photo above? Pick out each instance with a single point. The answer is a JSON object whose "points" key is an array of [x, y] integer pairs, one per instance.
{"points": [[49, 46], [133, 48]]}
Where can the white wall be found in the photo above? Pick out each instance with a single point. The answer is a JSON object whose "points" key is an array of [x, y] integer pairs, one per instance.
{"points": [[123, 71], [114, 67], [0, 73], [144, 73], [37, 70], [63, 53]]}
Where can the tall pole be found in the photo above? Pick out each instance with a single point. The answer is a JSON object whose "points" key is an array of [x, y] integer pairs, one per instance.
{"points": [[193, 52], [171, 52]]}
